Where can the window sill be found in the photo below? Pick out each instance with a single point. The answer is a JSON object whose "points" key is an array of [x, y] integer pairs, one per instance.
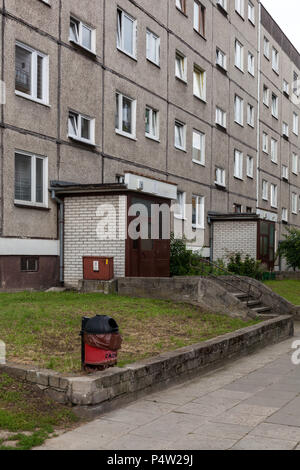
{"points": [[182, 12], [222, 10], [221, 128], [200, 34], [238, 178], [82, 48], [82, 141], [181, 149], [29, 98], [221, 187], [238, 68], [221, 69], [275, 117], [239, 124], [250, 125], [24, 205], [124, 134], [286, 95], [238, 13], [203, 100], [286, 137], [250, 177], [155, 139], [179, 217], [276, 71], [127, 54], [285, 179], [198, 227], [197, 162], [251, 22], [182, 80], [153, 63]]}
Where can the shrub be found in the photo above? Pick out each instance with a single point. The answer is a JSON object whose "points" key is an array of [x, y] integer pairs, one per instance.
{"points": [[290, 248], [249, 267]]}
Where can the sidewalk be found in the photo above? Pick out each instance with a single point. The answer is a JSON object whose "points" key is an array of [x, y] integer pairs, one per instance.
{"points": [[253, 403]]}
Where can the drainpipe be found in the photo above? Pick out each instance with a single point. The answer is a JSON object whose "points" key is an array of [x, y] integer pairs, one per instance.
{"points": [[60, 202], [211, 239]]}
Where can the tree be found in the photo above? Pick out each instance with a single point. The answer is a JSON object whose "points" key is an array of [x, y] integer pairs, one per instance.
{"points": [[289, 248]]}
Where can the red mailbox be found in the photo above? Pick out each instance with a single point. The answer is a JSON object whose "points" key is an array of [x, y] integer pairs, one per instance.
{"points": [[98, 268]]}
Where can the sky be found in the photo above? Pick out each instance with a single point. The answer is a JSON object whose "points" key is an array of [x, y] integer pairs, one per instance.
{"points": [[286, 13]]}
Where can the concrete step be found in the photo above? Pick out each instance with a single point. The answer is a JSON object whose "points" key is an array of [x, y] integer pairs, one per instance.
{"points": [[262, 309], [253, 303]]}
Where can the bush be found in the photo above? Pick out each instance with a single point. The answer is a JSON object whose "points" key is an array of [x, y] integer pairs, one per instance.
{"points": [[290, 248], [249, 267]]}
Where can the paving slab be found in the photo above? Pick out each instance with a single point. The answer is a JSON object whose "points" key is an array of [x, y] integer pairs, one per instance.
{"points": [[252, 403]]}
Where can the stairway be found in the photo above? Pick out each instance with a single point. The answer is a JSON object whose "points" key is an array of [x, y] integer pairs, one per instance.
{"points": [[256, 306], [252, 301]]}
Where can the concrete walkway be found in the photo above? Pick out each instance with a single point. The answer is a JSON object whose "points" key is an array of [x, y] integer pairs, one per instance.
{"points": [[253, 403]]}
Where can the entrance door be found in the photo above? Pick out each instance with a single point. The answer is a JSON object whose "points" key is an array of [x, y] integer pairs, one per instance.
{"points": [[147, 257], [266, 243]]}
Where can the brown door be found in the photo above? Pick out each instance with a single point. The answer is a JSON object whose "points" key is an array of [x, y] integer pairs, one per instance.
{"points": [[147, 257], [266, 243]]}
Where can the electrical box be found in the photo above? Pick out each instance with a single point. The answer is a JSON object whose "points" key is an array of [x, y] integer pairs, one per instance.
{"points": [[98, 268]]}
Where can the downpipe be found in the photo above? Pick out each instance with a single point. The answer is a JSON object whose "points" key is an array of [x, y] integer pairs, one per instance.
{"points": [[60, 202]]}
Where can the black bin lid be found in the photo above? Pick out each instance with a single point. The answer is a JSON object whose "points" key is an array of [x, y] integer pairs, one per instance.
{"points": [[101, 325]]}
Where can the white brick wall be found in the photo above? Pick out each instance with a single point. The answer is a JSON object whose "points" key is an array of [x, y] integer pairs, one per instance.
{"points": [[234, 236], [81, 239]]}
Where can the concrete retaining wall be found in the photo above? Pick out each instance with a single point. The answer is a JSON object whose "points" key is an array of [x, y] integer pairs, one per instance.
{"points": [[105, 390]]}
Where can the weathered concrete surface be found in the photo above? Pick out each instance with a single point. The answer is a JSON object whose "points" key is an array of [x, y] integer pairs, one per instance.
{"points": [[105, 390], [101, 287], [202, 291], [253, 403]]}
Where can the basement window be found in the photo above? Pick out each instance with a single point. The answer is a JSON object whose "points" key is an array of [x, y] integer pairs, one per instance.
{"points": [[29, 264]]}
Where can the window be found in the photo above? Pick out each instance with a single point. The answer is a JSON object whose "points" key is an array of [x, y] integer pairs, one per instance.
{"points": [[237, 208], [294, 203], [239, 110], [284, 214], [295, 164], [180, 135], [221, 59], [198, 212], [285, 172], [265, 142], [274, 106], [220, 177], [274, 194], [251, 63], [251, 12], [31, 179], [180, 4], [238, 164], [152, 47], [295, 123], [239, 7], [199, 17], [126, 33], [239, 55], [179, 212], [125, 115], [199, 83], [296, 84], [220, 117], [274, 146], [32, 74], [286, 87], [285, 129], [266, 48], [198, 147], [180, 66], [265, 190], [250, 115], [29, 264], [152, 123], [82, 34], [81, 128], [266, 95], [275, 60], [250, 164], [248, 210]]}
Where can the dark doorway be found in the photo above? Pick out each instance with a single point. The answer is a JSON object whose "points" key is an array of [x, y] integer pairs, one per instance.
{"points": [[266, 243], [147, 257]]}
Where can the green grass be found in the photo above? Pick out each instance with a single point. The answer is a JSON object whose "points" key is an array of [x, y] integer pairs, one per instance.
{"points": [[28, 415], [288, 288], [43, 328]]}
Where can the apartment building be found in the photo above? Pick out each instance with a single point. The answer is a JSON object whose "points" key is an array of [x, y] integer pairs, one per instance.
{"points": [[198, 94]]}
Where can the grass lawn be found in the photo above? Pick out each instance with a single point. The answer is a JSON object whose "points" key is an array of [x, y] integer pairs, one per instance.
{"points": [[288, 288], [43, 328], [27, 417]]}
